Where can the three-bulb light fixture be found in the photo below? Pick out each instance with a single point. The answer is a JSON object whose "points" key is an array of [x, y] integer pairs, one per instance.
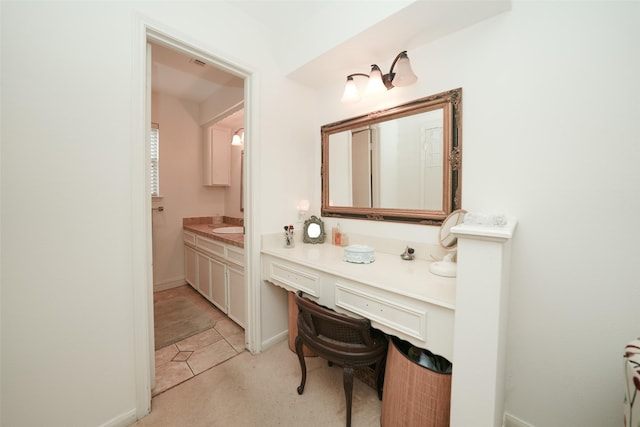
{"points": [[403, 76]]}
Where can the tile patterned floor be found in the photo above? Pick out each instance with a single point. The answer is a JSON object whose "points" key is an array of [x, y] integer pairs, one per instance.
{"points": [[185, 359]]}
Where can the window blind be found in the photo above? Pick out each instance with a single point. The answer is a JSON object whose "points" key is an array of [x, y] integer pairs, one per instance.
{"points": [[154, 148]]}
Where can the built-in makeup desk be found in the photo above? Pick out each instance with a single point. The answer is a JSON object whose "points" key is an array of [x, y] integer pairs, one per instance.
{"points": [[401, 298]]}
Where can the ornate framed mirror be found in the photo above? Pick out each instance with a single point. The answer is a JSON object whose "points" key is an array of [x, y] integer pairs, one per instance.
{"points": [[313, 230], [401, 164]]}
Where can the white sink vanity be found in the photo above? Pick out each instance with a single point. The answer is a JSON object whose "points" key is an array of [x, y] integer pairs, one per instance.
{"points": [[216, 270], [401, 298]]}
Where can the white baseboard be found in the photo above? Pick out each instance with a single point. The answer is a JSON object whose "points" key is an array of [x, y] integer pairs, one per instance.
{"points": [[122, 420], [511, 421], [284, 335], [168, 284]]}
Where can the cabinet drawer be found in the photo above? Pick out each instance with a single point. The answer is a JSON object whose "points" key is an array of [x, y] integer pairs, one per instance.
{"points": [[189, 238], [210, 246], [305, 281], [235, 255], [400, 317]]}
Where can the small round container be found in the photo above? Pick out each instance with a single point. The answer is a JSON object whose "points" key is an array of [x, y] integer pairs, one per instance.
{"points": [[359, 254]]}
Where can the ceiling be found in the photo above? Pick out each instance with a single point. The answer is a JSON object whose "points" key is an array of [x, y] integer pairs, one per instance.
{"points": [[234, 121], [179, 75], [416, 23], [176, 74]]}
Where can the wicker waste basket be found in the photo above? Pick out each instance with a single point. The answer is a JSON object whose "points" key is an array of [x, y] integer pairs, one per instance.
{"points": [[414, 395], [293, 327]]}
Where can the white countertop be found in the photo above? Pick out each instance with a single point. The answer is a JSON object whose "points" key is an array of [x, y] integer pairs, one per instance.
{"points": [[388, 271]]}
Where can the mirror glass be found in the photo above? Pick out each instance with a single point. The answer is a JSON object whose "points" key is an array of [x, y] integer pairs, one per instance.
{"points": [[313, 230], [447, 239], [447, 266], [399, 164]]}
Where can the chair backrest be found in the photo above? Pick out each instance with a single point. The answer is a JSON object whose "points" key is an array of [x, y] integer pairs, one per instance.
{"points": [[332, 330]]}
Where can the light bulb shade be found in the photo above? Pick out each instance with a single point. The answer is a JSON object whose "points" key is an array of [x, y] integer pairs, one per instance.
{"points": [[404, 75], [350, 91], [238, 137], [375, 81]]}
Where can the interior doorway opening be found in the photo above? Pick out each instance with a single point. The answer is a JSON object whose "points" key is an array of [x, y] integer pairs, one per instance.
{"points": [[144, 327]]}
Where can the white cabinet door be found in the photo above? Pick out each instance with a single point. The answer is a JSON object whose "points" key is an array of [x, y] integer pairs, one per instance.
{"points": [[218, 284], [204, 275], [190, 266], [216, 152], [216, 271], [236, 295]]}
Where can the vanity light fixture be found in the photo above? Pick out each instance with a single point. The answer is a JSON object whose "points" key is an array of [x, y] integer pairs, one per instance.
{"points": [[238, 137], [403, 76]]}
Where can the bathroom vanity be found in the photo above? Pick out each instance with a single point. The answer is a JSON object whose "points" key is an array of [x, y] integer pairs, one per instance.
{"points": [[401, 298], [404, 299], [214, 266]]}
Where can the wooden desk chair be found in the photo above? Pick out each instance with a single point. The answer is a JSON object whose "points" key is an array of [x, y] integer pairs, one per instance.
{"points": [[346, 341]]}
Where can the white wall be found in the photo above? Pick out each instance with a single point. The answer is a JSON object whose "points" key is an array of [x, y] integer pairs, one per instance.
{"points": [[550, 135], [68, 350], [180, 185], [67, 314]]}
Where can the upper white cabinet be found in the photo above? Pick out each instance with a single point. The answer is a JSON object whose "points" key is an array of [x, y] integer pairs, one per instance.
{"points": [[216, 151]]}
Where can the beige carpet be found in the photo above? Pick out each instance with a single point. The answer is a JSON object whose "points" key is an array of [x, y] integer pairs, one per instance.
{"points": [[260, 391], [178, 318]]}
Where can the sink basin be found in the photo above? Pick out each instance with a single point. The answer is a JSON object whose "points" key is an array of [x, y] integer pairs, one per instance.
{"points": [[228, 230]]}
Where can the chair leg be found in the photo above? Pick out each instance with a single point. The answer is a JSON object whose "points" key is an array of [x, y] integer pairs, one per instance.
{"points": [[303, 366], [379, 375], [347, 378]]}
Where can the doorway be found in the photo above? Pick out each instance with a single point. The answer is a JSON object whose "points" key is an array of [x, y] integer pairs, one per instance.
{"points": [[192, 103], [142, 270]]}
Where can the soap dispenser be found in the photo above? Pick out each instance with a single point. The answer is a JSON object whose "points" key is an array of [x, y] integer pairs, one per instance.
{"points": [[336, 235]]}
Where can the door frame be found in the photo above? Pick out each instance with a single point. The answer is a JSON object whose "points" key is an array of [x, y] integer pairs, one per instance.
{"points": [[142, 257]]}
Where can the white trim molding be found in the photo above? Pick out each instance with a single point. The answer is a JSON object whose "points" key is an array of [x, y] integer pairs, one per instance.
{"points": [[144, 30], [479, 346]]}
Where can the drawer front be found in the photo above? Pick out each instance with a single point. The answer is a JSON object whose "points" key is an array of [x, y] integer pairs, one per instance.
{"points": [[189, 238], [399, 317], [210, 246], [235, 255], [305, 281]]}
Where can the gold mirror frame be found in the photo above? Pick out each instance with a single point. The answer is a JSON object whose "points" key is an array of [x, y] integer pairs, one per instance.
{"points": [[451, 103]]}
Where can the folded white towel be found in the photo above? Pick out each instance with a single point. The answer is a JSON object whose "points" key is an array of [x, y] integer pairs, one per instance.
{"points": [[481, 218]]}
